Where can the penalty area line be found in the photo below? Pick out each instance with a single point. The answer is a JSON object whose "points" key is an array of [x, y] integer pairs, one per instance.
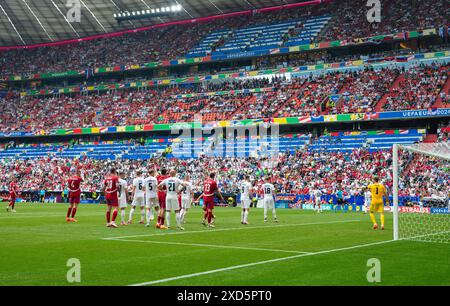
{"points": [[231, 229], [211, 246], [165, 280]]}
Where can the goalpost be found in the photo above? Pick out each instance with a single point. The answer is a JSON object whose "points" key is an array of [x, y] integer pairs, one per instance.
{"points": [[421, 181]]}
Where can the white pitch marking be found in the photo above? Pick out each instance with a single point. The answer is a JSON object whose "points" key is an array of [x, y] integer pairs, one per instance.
{"points": [[212, 246], [230, 229], [165, 280]]}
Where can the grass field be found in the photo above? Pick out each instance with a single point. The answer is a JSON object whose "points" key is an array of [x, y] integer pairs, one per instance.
{"points": [[305, 248]]}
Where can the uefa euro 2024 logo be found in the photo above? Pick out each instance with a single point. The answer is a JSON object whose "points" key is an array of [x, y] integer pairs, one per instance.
{"points": [[74, 12], [374, 13]]}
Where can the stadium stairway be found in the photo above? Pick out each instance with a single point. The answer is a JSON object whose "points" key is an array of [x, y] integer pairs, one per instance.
{"points": [[446, 89], [380, 105]]}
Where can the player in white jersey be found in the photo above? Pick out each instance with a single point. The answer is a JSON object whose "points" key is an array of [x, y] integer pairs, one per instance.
{"points": [[269, 199], [246, 191], [123, 197], [151, 196], [138, 197], [317, 200], [367, 200], [172, 185], [187, 197]]}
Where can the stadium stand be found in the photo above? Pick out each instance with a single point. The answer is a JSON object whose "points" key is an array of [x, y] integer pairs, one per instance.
{"points": [[343, 20], [332, 93]]}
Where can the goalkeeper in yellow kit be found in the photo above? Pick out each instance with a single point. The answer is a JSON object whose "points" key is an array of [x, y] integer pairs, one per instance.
{"points": [[378, 192]]}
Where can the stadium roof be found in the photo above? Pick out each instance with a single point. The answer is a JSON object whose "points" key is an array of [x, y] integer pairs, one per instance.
{"points": [[27, 22]]}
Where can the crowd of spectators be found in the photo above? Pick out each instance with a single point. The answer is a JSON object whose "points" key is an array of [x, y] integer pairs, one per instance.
{"points": [[350, 18], [348, 21], [419, 88], [330, 93], [293, 173]]}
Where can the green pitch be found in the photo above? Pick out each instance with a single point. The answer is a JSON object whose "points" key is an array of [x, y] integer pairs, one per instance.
{"points": [[305, 248]]}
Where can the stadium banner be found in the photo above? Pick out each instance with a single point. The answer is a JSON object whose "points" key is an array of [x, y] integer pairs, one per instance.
{"points": [[415, 113], [208, 58], [233, 123], [325, 207]]}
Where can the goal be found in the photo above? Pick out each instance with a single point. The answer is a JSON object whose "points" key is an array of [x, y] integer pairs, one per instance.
{"points": [[421, 192]]}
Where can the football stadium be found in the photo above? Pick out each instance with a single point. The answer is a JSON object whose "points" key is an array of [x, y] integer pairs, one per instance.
{"points": [[225, 143]]}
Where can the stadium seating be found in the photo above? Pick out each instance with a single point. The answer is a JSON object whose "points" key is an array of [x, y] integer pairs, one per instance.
{"points": [[344, 20], [360, 91], [260, 38]]}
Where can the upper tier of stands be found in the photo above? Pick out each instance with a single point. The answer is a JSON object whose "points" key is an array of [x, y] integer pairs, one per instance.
{"points": [[348, 21], [260, 38]]}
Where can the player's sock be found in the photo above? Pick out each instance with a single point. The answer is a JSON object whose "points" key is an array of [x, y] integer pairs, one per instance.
{"points": [[150, 214], [181, 214], [246, 216], [130, 217], [210, 217], [114, 215], [158, 219], [372, 217], [243, 216], [147, 216], [69, 211], [274, 213], [178, 218], [265, 213], [108, 216], [168, 218], [142, 214], [122, 215], [382, 219], [74, 211]]}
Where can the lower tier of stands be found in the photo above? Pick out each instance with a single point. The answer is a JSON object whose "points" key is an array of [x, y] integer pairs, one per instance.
{"points": [[211, 146]]}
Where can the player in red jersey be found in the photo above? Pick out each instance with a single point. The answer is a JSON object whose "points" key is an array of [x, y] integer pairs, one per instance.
{"points": [[209, 190], [110, 189], [162, 199], [13, 193], [74, 183]]}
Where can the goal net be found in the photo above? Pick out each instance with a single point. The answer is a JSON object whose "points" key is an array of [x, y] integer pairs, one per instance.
{"points": [[421, 191]]}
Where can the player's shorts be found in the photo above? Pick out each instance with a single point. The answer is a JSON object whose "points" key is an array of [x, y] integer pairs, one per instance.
{"points": [[269, 203], [74, 198], [162, 200], [186, 203], [151, 202], [246, 203], [172, 204], [377, 207], [112, 201], [123, 202], [208, 203], [138, 201], [318, 202]]}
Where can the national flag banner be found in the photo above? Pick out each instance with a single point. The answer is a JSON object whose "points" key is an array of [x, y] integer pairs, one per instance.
{"points": [[403, 131], [371, 116], [330, 118], [390, 132], [103, 129], [275, 51], [304, 119]]}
